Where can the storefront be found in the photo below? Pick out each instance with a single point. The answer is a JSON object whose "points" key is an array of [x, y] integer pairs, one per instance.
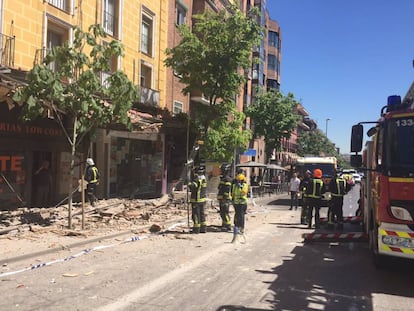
{"points": [[23, 148]]}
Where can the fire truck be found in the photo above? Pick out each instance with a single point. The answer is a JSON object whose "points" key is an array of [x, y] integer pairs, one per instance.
{"points": [[387, 190]]}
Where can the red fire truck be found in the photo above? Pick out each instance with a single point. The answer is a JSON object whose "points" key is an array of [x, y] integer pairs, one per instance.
{"points": [[387, 190]]}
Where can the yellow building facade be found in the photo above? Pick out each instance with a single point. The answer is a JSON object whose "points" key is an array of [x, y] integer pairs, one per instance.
{"points": [[131, 163], [141, 25]]}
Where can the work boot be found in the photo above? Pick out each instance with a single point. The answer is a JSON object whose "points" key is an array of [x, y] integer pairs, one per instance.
{"points": [[195, 230], [203, 229]]}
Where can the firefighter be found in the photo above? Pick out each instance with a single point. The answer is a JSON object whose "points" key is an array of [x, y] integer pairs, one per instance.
{"points": [[338, 188], [224, 197], [314, 191], [92, 177], [198, 188], [305, 200], [239, 195]]}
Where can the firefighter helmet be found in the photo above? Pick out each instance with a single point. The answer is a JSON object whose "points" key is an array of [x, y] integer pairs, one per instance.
{"points": [[241, 177], [317, 173], [200, 169], [225, 167]]}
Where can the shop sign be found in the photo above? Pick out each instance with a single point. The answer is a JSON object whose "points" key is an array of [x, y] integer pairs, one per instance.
{"points": [[27, 129]]}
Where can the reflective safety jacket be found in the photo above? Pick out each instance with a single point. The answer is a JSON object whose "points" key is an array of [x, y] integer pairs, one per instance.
{"points": [[303, 185], [198, 188], [315, 188], [92, 174], [338, 187], [224, 188], [239, 192]]}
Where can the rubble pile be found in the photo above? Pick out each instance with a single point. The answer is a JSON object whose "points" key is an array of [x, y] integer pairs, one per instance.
{"points": [[107, 215]]}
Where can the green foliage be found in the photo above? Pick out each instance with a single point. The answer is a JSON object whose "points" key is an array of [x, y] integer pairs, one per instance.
{"points": [[274, 117], [315, 143], [224, 135], [72, 86], [209, 60]]}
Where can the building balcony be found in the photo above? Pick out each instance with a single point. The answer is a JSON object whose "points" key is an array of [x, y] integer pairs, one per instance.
{"points": [[7, 50], [149, 96]]}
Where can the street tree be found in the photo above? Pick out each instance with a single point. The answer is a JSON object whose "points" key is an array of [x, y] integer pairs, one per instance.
{"points": [[274, 117], [210, 60], [316, 143], [67, 83]]}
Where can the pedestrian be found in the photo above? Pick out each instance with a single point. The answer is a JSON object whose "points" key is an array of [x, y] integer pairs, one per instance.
{"points": [[239, 196], [198, 188], [314, 192], [224, 197], [43, 180], [294, 191], [337, 188], [92, 177], [305, 200]]}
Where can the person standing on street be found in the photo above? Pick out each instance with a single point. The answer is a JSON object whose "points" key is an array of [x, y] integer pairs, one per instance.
{"points": [[294, 190], [43, 179], [239, 196], [337, 188], [92, 177], [305, 200], [314, 191], [224, 197], [198, 188]]}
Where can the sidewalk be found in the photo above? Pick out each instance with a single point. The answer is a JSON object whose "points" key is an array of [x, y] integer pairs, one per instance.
{"points": [[33, 244]]}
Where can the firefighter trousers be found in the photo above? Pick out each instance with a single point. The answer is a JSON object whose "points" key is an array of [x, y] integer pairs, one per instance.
{"points": [[225, 213], [314, 204], [198, 216], [335, 213]]}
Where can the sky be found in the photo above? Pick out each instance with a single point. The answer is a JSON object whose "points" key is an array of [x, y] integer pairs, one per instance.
{"points": [[342, 58]]}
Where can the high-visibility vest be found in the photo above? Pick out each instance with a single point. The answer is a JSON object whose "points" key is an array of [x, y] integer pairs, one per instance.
{"points": [[314, 188], [93, 175], [239, 193], [339, 188], [224, 188], [198, 189]]}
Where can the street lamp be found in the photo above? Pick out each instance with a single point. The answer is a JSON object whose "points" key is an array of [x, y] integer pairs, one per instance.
{"points": [[326, 127]]}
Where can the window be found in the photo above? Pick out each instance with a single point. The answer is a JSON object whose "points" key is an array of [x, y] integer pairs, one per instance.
{"points": [[112, 67], [271, 62], [147, 28], [177, 107], [60, 4], [180, 14], [146, 76], [274, 39], [110, 11], [57, 35]]}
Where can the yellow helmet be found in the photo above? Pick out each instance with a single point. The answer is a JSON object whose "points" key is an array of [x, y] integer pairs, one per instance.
{"points": [[241, 177]]}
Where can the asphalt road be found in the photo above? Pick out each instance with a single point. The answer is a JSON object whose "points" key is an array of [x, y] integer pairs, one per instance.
{"points": [[273, 270]]}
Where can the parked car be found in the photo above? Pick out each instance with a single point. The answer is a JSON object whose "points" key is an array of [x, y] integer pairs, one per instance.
{"points": [[356, 177]]}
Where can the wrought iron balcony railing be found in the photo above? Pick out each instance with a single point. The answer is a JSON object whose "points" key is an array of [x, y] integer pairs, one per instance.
{"points": [[7, 50]]}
